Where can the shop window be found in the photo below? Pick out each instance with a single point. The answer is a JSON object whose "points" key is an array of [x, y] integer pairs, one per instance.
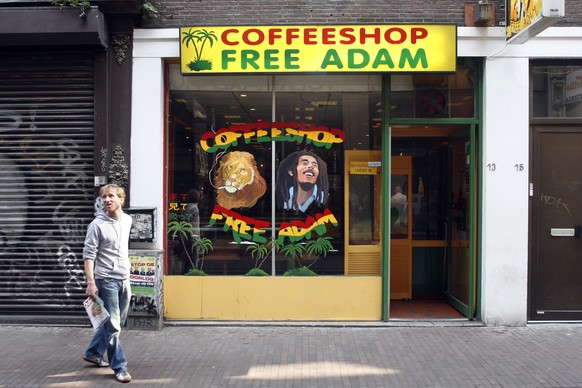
{"points": [[557, 91], [264, 156]]}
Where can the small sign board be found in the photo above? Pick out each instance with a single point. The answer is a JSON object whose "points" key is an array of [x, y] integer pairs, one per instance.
{"points": [[364, 168]]}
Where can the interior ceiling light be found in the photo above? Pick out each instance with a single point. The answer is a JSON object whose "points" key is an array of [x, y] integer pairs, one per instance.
{"points": [[243, 95], [309, 109]]}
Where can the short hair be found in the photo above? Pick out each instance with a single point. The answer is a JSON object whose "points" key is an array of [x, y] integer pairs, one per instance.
{"points": [[285, 181], [120, 191], [193, 196]]}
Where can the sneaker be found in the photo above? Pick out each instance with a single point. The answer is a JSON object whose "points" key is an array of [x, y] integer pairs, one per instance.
{"points": [[96, 360], [123, 377]]}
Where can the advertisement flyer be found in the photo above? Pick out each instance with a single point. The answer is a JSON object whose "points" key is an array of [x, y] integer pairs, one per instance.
{"points": [[143, 275]]}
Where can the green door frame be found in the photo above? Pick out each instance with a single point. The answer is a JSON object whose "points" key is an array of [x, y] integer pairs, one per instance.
{"points": [[467, 309], [472, 310]]}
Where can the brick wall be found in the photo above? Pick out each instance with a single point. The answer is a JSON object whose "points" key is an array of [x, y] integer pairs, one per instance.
{"points": [[176, 13]]}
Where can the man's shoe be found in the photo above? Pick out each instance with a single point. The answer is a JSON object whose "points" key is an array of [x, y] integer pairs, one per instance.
{"points": [[96, 360], [123, 377]]}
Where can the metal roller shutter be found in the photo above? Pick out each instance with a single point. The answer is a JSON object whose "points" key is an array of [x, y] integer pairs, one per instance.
{"points": [[46, 184]]}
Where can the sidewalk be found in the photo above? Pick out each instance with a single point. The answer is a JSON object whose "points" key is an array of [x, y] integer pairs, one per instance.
{"points": [[302, 356]]}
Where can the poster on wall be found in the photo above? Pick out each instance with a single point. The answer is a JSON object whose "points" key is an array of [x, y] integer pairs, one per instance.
{"points": [[143, 225], [142, 276]]}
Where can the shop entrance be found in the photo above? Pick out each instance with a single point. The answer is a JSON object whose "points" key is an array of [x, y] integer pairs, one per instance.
{"points": [[437, 182], [432, 260]]}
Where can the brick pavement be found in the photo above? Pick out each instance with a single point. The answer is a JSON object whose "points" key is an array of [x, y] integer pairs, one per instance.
{"points": [[303, 356]]}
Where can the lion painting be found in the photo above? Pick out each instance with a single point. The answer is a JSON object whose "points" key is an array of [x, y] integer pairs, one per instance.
{"points": [[237, 181]]}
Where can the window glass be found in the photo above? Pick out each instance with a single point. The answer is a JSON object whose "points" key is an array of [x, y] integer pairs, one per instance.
{"points": [[432, 200], [365, 220], [399, 207], [557, 91], [433, 95], [264, 154]]}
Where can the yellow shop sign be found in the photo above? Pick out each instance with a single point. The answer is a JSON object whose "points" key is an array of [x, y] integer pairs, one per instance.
{"points": [[328, 49]]}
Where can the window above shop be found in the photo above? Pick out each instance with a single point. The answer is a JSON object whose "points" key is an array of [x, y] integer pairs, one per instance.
{"points": [[433, 95], [557, 90]]}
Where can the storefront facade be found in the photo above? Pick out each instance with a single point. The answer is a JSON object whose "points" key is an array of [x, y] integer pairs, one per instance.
{"points": [[456, 143], [450, 186]]}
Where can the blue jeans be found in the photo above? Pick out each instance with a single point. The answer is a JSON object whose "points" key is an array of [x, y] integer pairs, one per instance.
{"points": [[115, 295]]}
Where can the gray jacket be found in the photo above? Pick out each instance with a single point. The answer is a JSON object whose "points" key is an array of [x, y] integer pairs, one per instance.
{"points": [[107, 243]]}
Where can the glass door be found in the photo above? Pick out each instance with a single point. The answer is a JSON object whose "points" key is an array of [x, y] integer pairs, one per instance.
{"points": [[401, 228], [461, 224], [434, 166], [364, 224], [363, 212]]}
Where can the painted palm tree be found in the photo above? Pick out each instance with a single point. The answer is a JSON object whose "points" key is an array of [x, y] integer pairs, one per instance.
{"points": [[182, 229], [202, 245], [293, 252], [201, 37], [318, 248], [260, 253]]}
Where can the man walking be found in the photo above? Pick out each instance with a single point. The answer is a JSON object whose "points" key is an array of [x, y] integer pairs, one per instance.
{"points": [[107, 269]]}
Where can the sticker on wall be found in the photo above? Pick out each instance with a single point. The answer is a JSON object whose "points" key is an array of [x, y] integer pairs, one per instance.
{"points": [[237, 181], [301, 181], [142, 275]]}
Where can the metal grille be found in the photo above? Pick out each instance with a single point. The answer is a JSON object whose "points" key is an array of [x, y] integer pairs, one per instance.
{"points": [[46, 184]]}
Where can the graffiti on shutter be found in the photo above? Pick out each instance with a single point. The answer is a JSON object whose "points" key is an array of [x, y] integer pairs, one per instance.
{"points": [[46, 183]]}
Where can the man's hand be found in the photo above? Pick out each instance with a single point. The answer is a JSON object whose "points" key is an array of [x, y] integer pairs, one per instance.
{"points": [[92, 290]]}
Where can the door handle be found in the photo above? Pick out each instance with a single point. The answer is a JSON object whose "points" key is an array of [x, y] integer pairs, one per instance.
{"points": [[562, 232]]}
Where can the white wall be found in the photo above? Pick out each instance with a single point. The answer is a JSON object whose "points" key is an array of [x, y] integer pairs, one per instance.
{"points": [[505, 144], [505, 191], [147, 165]]}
